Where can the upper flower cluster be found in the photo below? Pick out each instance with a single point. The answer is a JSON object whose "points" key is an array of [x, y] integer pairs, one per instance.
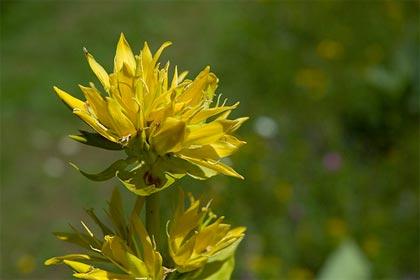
{"points": [[168, 127]]}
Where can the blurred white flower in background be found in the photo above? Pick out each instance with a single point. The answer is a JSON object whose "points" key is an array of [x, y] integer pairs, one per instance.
{"points": [[40, 139], [53, 167], [265, 126], [68, 147]]}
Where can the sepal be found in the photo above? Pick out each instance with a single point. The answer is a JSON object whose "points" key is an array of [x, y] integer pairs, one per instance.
{"points": [[96, 140]]}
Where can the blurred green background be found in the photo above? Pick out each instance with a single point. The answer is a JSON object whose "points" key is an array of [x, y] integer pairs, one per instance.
{"points": [[332, 91]]}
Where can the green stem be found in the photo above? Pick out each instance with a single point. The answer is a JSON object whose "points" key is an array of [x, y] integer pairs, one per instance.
{"points": [[153, 217]]}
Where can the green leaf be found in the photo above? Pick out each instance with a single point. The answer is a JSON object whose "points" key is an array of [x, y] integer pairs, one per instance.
{"points": [[221, 270], [96, 140], [346, 263], [75, 238], [116, 213], [105, 230], [107, 174]]}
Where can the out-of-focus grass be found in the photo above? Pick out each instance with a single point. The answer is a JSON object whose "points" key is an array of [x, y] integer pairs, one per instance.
{"points": [[332, 91]]}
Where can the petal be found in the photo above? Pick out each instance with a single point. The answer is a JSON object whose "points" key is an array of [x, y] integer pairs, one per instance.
{"points": [[224, 147], [121, 124], [99, 71], [99, 274], [160, 50], [207, 113], [97, 103], [230, 126], [227, 145], [204, 134], [57, 260], [206, 151], [71, 101], [116, 249], [123, 55], [196, 91], [169, 137], [146, 60], [94, 123], [152, 259], [214, 165], [78, 266], [224, 251]]}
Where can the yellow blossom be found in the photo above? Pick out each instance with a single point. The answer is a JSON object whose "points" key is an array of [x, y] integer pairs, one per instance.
{"points": [[196, 236], [167, 127], [336, 227], [330, 49], [128, 249]]}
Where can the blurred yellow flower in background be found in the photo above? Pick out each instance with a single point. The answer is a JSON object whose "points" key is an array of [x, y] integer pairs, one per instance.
{"points": [[314, 80], [284, 192], [330, 49], [372, 246], [26, 264], [300, 273], [336, 227], [168, 128]]}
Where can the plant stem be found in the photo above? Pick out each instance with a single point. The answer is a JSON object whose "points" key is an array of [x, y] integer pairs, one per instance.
{"points": [[153, 217]]}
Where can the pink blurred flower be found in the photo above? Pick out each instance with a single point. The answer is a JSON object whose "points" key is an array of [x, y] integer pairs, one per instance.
{"points": [[332, 161]]}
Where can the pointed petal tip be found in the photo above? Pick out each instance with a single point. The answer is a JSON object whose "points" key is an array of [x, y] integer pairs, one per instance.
{"points": [[167, 44], [50, 261], [74, 166], [122, 38], [85, 51]]}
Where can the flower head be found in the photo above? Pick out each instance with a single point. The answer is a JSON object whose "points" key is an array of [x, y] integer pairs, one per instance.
{"points": [[197, 236], [168, 127], [126, 246]]}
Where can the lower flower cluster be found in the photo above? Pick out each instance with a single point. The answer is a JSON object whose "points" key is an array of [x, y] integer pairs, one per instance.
{"points": [[199, 245]]}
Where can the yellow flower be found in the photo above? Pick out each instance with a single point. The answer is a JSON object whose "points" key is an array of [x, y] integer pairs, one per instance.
{"points": [[168, 127], [128, 249], [196, 236]]}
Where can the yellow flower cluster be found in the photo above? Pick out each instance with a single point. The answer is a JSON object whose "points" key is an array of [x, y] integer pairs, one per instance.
{"points": [[168, 127], [126, 245], [196, 239], [197, 236]]}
